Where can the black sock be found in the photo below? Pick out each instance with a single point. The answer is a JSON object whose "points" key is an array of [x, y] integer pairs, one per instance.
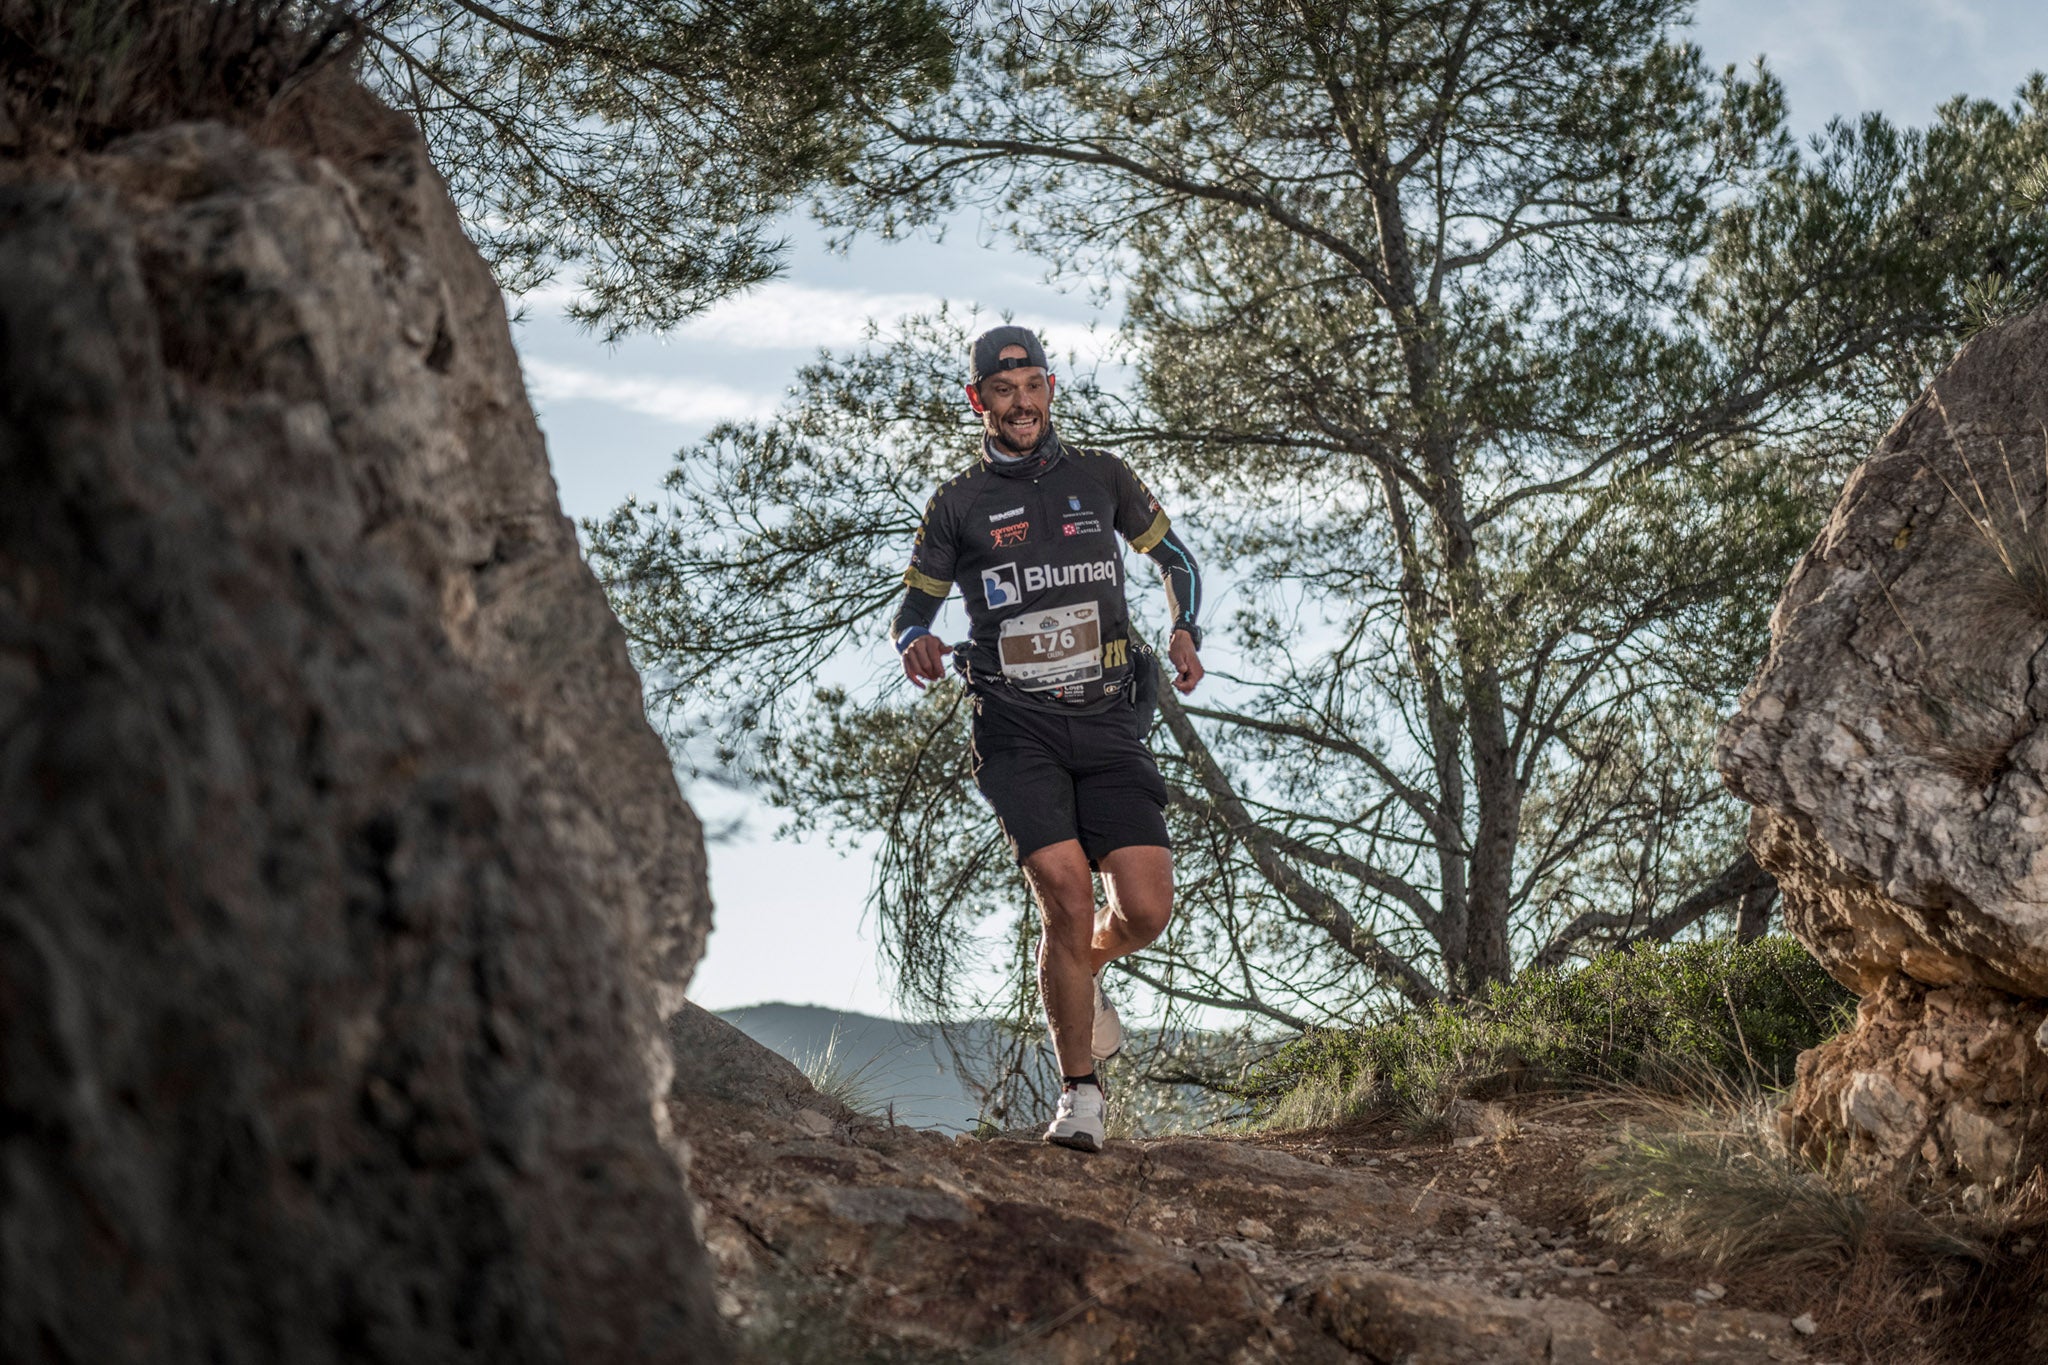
{"points": [[1069, 1082]]}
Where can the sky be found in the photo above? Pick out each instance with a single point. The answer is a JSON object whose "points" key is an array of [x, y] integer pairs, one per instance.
{"points": [[790, 923]]}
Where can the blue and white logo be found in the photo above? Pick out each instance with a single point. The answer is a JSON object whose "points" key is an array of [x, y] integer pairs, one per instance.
{"points": [[1073, 503], [999, 585]]}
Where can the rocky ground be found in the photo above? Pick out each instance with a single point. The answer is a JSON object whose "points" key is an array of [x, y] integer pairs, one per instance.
{"points": [[840, 1239]]}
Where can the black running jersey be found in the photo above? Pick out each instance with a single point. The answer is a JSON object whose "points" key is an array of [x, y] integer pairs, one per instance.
{"points": [[1036, 559]]}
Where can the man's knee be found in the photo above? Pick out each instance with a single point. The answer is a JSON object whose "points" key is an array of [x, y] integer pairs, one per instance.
{"points": [[1066, 894], [1067, 933], [1145, 916], [1140, 881]]}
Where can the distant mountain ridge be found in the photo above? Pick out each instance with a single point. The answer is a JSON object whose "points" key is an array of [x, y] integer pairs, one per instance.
{"points": [[888, 1062]]}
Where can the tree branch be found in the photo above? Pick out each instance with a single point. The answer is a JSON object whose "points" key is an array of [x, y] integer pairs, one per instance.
{"points": [[1736, 881], [1317, 905], [1252, 1005]]}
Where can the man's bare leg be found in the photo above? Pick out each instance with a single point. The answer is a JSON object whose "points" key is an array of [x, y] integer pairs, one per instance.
{"points": [[1060, 879], [1137, 883], [1078, 941]]}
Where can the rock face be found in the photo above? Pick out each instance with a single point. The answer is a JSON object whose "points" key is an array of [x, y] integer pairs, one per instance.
{"points": [[1894, 747], [1951, 1078], [341, 880]]}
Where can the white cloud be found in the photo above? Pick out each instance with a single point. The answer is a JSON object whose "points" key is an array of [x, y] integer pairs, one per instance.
{"points": [[689, 403], [782, 316], [777, 316], [1900, 57], [786, 316]]}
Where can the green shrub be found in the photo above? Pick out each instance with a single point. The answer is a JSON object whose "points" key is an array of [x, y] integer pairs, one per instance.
{"points": [[1664, 1018]]}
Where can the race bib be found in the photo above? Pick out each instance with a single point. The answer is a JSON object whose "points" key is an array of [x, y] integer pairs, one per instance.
{"points": [[1054, 648]]}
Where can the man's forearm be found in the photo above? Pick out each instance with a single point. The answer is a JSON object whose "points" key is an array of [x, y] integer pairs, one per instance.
{"points": [[1183, 581], [915, 616]]}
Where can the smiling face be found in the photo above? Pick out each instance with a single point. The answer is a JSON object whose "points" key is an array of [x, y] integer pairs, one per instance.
{"points": [[1015, 405]]}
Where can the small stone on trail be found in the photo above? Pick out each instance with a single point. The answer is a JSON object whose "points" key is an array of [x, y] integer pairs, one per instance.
{"points": [[1252, 1230], [1805, 1325], [811, 1123], [1473, 1141], [1710, 1292], [1608, 1267]]}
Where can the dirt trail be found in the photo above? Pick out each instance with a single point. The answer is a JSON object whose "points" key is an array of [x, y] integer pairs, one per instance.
{"points": [[838, 1239]]}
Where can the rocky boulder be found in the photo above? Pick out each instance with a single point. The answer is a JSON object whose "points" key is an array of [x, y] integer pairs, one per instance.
{"points": [[1895, 749], [342, 882]]}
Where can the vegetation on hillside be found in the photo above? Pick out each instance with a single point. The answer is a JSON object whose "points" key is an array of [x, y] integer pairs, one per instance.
{"points": [[1720, 1014]]}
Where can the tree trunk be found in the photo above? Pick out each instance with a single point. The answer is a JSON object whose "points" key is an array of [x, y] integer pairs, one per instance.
{"points": [[1753, 920]]}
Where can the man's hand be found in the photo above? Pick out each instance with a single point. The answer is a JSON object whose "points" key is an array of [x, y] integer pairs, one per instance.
{"points": [[925, 660], [1187, 669]]}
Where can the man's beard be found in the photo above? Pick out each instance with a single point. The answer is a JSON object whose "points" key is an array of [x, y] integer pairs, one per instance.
{"points": [[1037, 438]]}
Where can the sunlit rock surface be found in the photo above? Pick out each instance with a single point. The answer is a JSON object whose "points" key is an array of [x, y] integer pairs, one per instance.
{"points": [[1894, 748], [341, 880]]}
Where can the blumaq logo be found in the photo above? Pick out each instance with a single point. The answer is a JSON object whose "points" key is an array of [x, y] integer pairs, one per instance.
{"points": [[999, 585]]}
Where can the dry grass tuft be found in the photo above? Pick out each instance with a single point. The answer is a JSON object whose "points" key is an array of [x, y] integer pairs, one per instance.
{"points": [[2009, 571], [1496, 1123], [1711, 1180], [1435, 1115], [1964, 717], [1322, 1100], [76, 74], [1962, 721], [832, 1074], [1726, 1195]]}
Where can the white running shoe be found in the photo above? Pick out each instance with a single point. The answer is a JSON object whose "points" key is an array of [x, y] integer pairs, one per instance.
{"points": [[1108, 1038], [1077, 1122]]}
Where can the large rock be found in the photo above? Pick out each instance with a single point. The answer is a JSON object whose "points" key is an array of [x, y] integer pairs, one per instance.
{"points": [[1894, 748], [1948, 1080], [341, 880]]}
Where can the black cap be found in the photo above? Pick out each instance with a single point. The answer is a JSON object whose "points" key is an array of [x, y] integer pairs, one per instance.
{"points": [[981, 357]]}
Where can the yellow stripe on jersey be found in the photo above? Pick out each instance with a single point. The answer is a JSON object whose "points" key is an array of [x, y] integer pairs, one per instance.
{"points": [[1154, 533], [929, 586]]}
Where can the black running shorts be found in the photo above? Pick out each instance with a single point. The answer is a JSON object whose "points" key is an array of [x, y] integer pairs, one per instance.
{"points": [[1052, 777]]}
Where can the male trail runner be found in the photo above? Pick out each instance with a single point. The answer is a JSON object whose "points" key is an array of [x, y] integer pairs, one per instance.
{"points": [[1028, 533]]}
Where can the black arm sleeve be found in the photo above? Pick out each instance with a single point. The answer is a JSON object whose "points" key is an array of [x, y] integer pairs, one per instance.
{"points": [[929, 577], [1183, 580], [919, 608]]}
